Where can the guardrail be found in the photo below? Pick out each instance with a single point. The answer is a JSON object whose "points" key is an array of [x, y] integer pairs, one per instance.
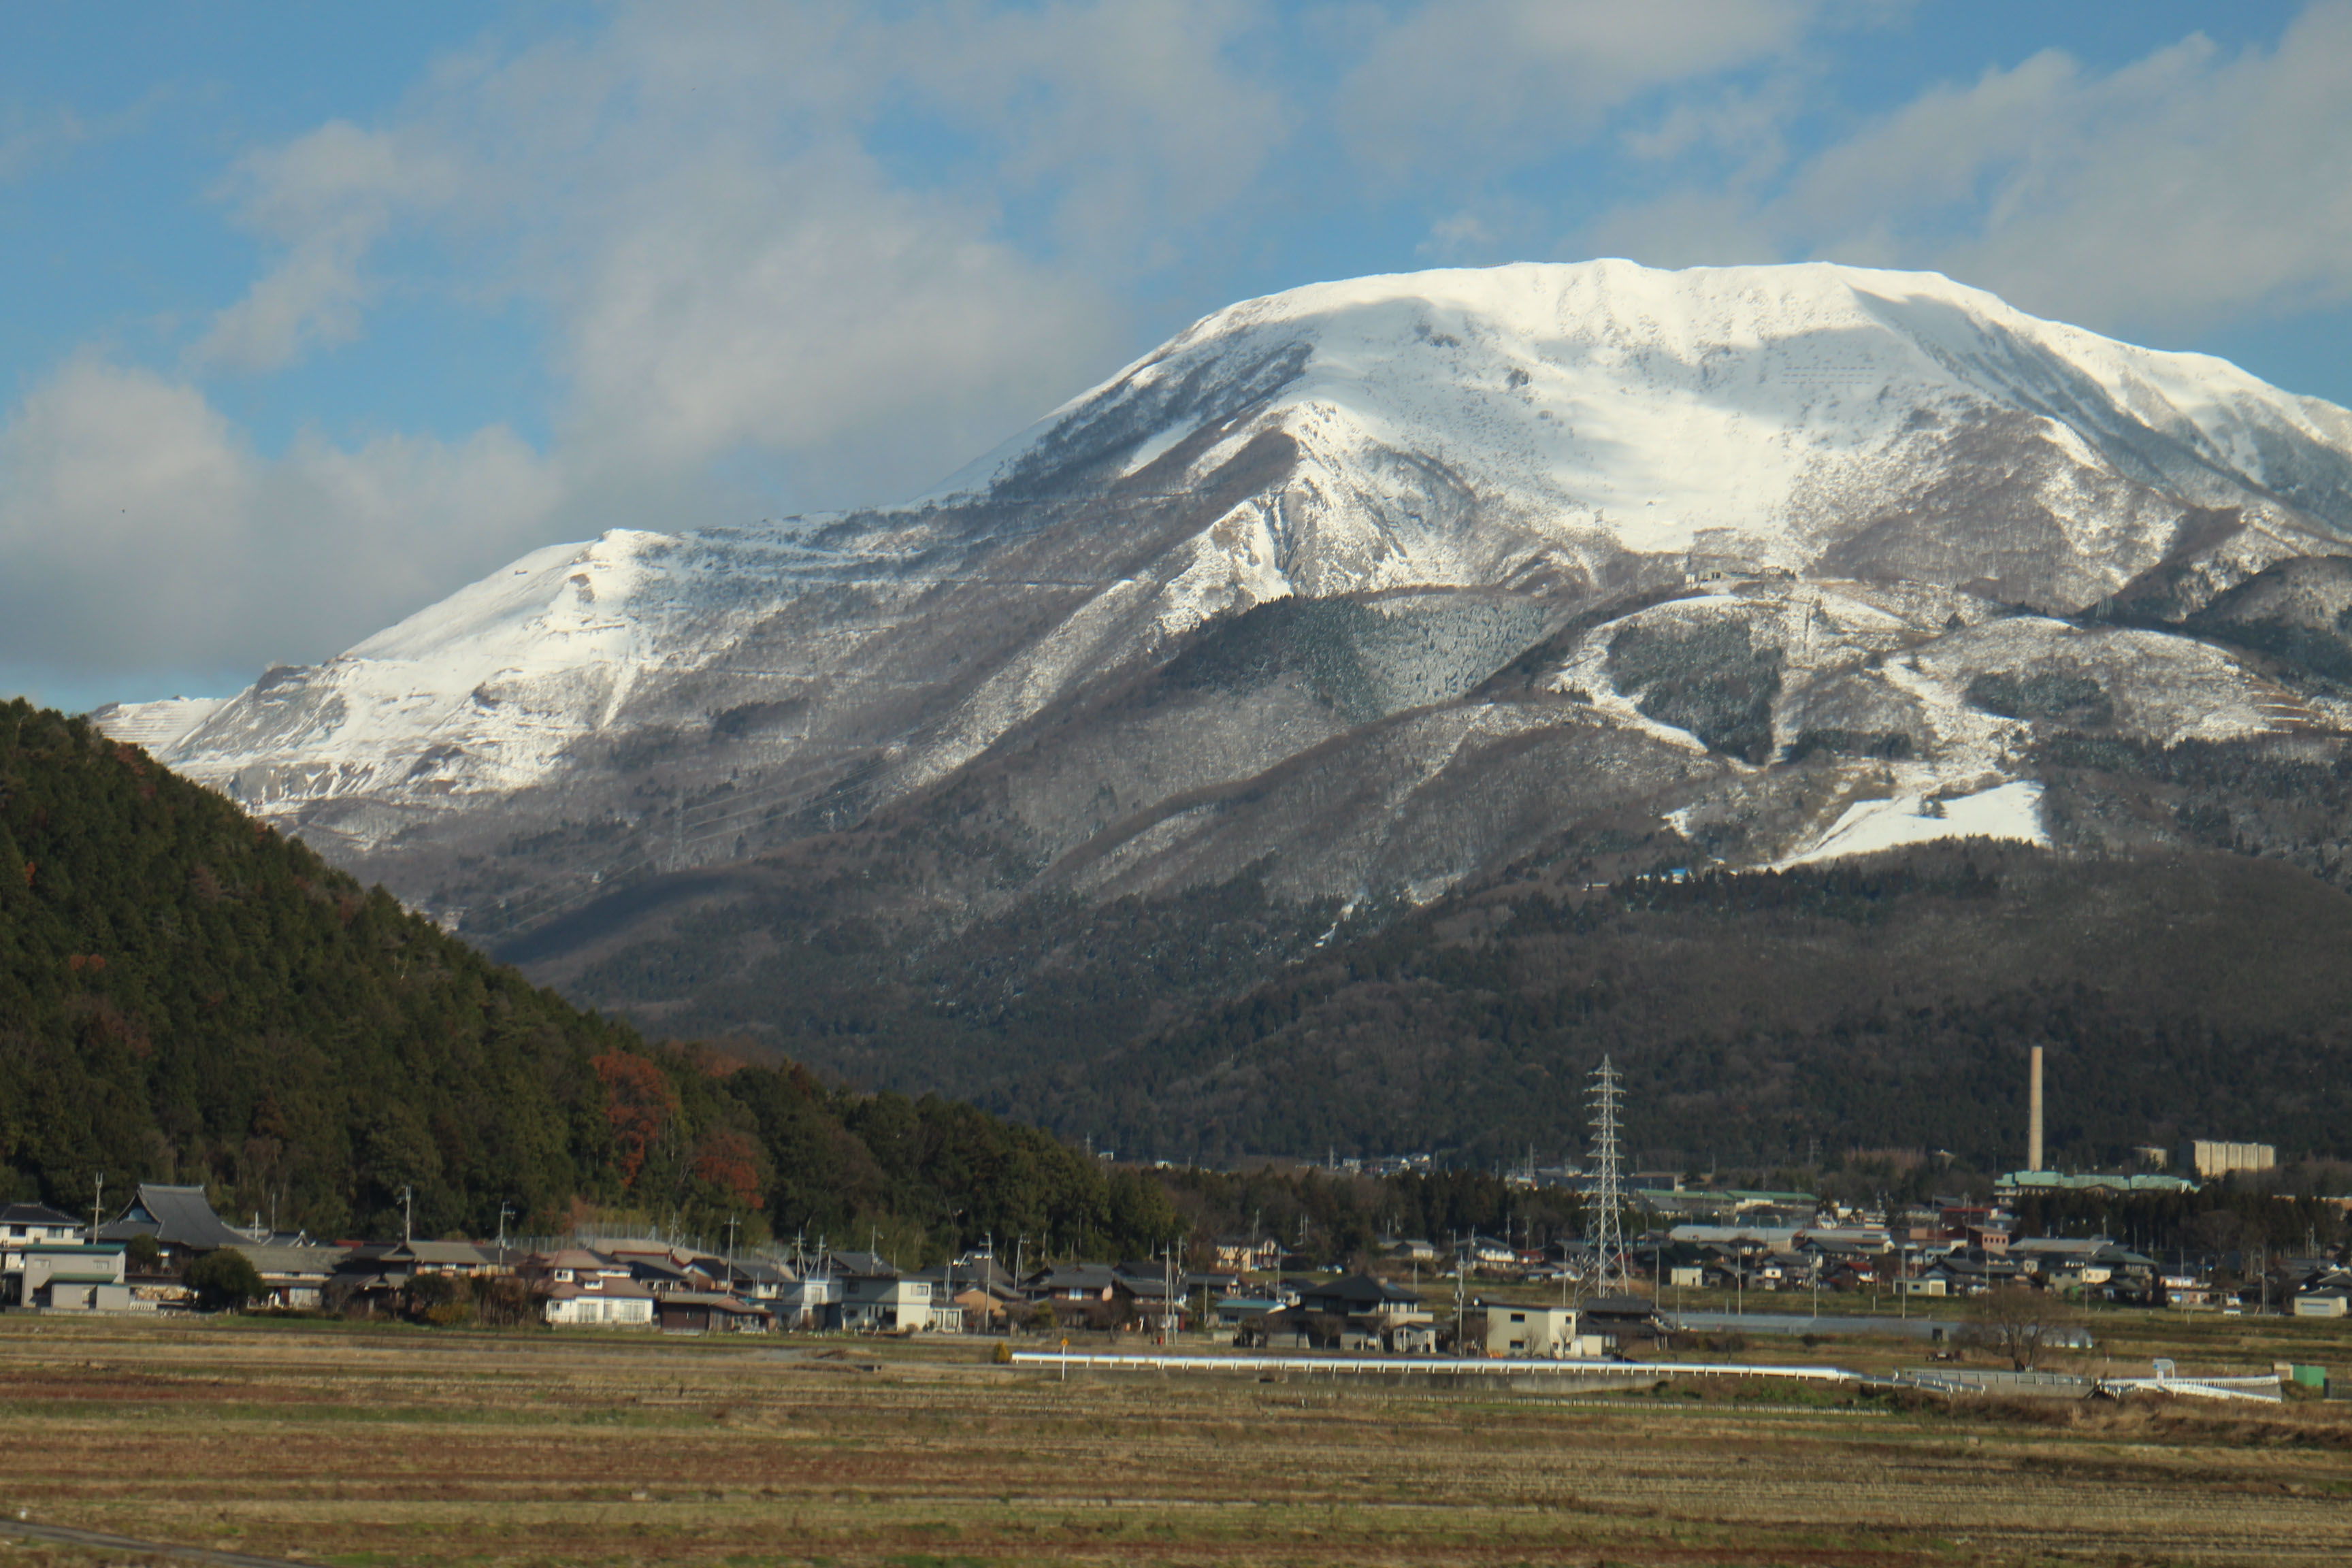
{"points": [[1489, 1366], [1934, 1381], [1955, 1380], [2262, 1389]]}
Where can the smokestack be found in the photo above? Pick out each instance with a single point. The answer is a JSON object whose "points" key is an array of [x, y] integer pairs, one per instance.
{"points": [[2034, 1117]]}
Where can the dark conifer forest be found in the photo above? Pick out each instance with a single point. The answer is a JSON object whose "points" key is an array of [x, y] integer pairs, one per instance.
{"points": [[186, 995]]}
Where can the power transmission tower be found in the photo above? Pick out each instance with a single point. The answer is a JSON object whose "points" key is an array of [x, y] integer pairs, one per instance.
{"points": [[1608, 1275]]}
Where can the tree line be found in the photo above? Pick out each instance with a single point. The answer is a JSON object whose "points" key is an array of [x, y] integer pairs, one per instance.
{"points": [[188, 997]]}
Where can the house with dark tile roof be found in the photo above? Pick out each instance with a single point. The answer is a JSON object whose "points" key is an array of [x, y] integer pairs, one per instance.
{"points": [[35, 1223], [181, 1219]]}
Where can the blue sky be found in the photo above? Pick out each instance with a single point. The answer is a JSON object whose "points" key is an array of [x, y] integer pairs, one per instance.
{"points": [[310, 314]]}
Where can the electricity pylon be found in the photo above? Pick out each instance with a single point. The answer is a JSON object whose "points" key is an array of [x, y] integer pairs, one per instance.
{"points": [[1607, 1237]]}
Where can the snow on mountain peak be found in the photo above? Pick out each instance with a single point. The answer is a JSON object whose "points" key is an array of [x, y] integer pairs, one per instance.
{"points": [[1551, 434]]}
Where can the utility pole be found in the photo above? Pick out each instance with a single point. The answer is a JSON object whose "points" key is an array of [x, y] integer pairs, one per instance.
{"points": [[506, 1211], [98, 1209], [732, 1223], [1460, 1273], [407, 1218]]}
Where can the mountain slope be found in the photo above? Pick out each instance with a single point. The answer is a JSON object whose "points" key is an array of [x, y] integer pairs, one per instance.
{"points": [[186, 995], [2179, 956], [1473, 460]]}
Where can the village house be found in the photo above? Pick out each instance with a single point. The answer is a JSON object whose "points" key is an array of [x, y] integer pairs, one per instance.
{"points": [[579, 1286], [1362, 1296], [1245, 1254], [1215, 1282], [377, 1275], [627, 1305], [34, 1241], [65, 1277], [1233, 1311], [409, 1259], [969, 1295], [1073, 1282], [1484, 1252], [1360, 1313], [757, 1281], [293, 1279], [876, 1298], [663, 1275], [811, 1301], [2190, 1291], [983, 1308], [181, 1219], [294, 1272], [1553, 1331], [700, 1312], [35, 1223], [1145, 1303]]}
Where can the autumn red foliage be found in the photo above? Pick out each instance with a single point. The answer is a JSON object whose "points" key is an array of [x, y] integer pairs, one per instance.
{"points": [[728, 1161], [637, 1103]]}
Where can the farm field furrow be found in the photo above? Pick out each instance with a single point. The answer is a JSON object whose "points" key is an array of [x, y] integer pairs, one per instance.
{"points": [[317, 1442]]}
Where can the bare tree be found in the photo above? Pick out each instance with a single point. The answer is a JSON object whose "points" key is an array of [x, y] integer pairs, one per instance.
{"points": [[2017, 1322]]}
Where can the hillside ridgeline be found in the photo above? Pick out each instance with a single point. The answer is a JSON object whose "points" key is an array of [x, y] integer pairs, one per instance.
{"points": [[187, 996]]}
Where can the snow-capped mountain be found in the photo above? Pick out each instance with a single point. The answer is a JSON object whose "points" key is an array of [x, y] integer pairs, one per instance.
{"points": [[1527, 522]]}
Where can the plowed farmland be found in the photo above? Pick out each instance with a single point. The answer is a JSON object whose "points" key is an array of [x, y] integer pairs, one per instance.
{"points": [[332, 1445]]}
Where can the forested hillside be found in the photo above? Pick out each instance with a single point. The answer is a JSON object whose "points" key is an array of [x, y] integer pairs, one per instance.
{"points": [[186, 995], [2181, 955], [1766, 1020]]}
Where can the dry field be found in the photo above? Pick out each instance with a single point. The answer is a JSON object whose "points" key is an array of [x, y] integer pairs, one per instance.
{"points": [[346, 1445]]}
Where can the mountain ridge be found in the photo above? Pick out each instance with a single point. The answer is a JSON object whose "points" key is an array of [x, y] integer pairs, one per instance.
{"points": [[1350, 595], [188, 997]]}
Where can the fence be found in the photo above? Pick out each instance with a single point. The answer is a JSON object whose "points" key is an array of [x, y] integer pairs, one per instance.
{"points": [[1487, 1366]]}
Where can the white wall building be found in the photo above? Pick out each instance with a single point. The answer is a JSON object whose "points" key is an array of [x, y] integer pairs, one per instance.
{"points": [[1539, 1332]]}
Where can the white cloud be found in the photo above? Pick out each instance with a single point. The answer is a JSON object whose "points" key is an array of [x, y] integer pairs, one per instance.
{"points": [[1490, 79], [2190, 187], [807, 310], [738, 296], [313, 297], [727, 272], [326, 197], [141, 532], [822, 254], [27, 143], [1135, 114]]}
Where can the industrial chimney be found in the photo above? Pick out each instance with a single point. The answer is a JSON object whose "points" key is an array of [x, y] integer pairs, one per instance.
{"points": [[2034, 1116]]}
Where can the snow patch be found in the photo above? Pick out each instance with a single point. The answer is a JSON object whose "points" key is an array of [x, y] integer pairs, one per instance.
{"points": [[155, 725], [2010, 811]]}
